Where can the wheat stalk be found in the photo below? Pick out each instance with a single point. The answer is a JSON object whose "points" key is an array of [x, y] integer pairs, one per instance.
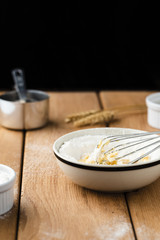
{"points": [[100, 116], [75, 116], [104, 116]]}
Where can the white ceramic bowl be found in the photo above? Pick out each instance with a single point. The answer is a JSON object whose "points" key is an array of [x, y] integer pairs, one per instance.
{"points": [[7, 189], [153, 104], [106, 178]]}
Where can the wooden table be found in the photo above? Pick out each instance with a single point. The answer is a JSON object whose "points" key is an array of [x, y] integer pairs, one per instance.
{"points": [[48, 205]]}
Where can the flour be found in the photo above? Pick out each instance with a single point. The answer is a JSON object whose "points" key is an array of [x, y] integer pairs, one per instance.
{"points": [[114, 229], [58, 234], [34, 147], [49, 232], [116, 232], [77, 147], [148, 233]]}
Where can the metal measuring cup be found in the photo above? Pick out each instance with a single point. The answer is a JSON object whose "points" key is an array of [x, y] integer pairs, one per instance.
{"points": [[23, 109]]}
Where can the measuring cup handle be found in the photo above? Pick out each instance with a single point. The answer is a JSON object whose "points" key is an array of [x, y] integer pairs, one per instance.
{"points": [[18, 77]]}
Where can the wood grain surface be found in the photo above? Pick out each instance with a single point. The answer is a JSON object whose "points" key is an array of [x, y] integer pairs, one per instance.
{"points": [[144, 204], [52, 207]]}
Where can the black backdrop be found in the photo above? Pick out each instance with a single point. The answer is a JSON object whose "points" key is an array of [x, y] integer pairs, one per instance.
{"points": [[81, 46]]}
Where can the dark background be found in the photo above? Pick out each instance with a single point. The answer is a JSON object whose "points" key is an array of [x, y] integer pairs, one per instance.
{"points": [[81, 46]]}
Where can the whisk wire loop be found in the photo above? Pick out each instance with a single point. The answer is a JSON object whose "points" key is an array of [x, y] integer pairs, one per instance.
{"points": [[129, 144]]}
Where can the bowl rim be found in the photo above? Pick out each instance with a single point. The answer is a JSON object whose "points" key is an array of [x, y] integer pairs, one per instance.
{"points": [[45, 96], [100, 167]]}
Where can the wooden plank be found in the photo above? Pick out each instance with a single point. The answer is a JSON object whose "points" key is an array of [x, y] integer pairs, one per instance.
{"points": [[144, 204], [124, 98], [10, 155], [52, 207]]}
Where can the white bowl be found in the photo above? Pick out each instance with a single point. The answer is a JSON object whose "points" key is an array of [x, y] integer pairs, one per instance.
{"points": [[106, 178], [153, 104], [6, 189]]}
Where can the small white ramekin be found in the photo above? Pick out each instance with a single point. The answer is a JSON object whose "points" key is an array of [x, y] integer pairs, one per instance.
{"points": [[7, 190], [153, 104]]}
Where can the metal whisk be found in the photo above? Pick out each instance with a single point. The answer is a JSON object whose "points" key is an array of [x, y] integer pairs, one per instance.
{"points": [[133, 140]]}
